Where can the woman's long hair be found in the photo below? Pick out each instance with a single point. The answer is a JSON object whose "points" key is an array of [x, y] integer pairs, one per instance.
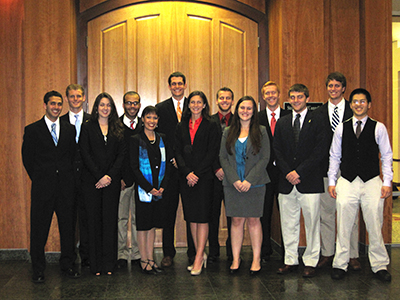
{"points": [[114, 124], [205, 113], [235, 128]]}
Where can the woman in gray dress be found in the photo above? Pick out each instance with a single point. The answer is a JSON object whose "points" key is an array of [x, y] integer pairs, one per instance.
{"points": [[244, 155]]}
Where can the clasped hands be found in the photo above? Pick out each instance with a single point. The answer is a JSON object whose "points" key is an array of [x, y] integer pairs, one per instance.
{"points": [[192, 179], [103, 182], [242, 186], [293, 177]]}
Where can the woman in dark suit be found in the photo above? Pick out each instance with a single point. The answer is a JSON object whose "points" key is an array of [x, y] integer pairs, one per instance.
{"points": [[103, 151], [196, 142], [244, 155], [149, 158]]}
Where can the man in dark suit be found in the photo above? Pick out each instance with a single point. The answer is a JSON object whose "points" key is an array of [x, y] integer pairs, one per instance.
{"points": [[170, 113], [335, 111], [270, 93], [132, 126], [224, 118], [299, 146], [76, 116], [47, 153]]}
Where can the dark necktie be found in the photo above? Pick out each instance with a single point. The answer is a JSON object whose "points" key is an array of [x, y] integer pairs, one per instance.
{"points": [[335, 119], [223, 123], [296, 129], [273, 123], [358, 129]]}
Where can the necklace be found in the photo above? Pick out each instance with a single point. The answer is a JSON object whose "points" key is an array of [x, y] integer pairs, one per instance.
{"points": [[152, 142]]}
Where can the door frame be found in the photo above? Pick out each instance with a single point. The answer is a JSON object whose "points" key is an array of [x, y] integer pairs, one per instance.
{"points": [[107, 6]]}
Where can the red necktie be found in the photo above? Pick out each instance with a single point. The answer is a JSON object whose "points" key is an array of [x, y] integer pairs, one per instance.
{"points": [[132, 125], [273, 123]]}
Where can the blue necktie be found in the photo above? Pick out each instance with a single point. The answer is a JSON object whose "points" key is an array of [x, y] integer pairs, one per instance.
{"points": [[77, 127], [54, 134]]}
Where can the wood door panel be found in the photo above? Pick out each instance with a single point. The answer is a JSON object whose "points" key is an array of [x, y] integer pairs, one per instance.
{"points": [[137, 47]]}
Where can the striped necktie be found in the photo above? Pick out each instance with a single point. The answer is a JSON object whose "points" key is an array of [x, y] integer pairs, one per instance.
{"points": [[54, 134], [335, 119], [179, 111]]}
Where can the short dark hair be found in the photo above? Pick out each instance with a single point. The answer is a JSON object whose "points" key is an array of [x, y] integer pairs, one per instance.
{"points": [[300, 88], [149, 110], [75, 87], [225, 89], [177, 74], [133, 93], [50, 94], [360, 91], [336, 76]]}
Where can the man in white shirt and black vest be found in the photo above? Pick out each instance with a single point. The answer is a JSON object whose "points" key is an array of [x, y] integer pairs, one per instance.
{"points": [[355, 149]]}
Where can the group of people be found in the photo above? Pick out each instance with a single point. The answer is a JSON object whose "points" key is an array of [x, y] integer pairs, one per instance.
{"points": [[103, 170]]}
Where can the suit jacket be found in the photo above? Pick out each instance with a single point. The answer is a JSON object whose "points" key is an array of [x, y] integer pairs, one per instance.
{"points": [[323, 113], [154, 161], [263, 120], [305, 159], [200, 156], [127, 173], [168, 120], [47, 164], [78, 164], [256, 165], [215, 118], [99, 157]]}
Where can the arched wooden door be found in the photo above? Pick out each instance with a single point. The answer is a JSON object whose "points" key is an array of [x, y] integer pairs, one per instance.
{"points": [[137, 47]]}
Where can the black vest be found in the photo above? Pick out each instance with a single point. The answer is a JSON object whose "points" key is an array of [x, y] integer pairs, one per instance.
{"points": [[360, 157]]}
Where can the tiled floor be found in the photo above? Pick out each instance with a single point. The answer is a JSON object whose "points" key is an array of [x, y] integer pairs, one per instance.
{"points": [[213, 283]]}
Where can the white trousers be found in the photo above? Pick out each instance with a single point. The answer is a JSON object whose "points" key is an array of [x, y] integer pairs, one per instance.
{"points": [[328, 226], [349, 196], [290, 207], [126, 207]]}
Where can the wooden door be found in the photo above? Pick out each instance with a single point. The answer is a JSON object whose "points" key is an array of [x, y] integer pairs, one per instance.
{"points": [[137, 47]]}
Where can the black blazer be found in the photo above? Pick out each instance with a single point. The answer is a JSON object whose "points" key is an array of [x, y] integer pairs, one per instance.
{"points": [[47, 164], [78, 164], [263, 120], [127, 173], [154, 159], [200, 156], [323, 114], [215, 118], [99, 157], [168, 120], [305, 159]]}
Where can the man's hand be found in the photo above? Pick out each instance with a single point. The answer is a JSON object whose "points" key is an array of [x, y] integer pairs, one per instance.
{"points": [[220, 174], [386, 191], [332, 191], [293, 177]]}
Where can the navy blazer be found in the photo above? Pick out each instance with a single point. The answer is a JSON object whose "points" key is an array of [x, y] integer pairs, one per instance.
{"points": [[100, 158], [199, 157], [323, 113], [306, 159], [47, 164], [256, 164]]}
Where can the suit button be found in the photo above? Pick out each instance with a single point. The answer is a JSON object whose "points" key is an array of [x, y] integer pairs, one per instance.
{"points": [[56, 171], [294, 158]]}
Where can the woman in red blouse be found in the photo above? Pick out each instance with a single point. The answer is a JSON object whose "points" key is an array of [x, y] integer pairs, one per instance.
{"points": [[197, 145]]}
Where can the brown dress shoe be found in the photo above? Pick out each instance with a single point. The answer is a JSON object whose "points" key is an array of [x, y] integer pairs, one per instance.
{"points": [[354, 264], [325, 261], [287, 269], [309, 272], [166, 262]]}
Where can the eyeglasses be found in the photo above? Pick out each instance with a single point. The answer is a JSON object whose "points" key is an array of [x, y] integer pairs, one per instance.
{"points": [[129, 103], [359, 101]]}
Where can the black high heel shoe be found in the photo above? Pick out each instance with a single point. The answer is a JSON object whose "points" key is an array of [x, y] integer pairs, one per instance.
{"points": [[156, 268], [144, 270], [234, 271]]}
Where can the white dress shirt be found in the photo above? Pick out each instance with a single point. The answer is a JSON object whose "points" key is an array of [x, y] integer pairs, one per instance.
{"points": [[49, 123]]}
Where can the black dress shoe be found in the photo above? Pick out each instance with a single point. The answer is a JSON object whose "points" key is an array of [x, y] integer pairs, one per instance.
{"points": [[265, 259], [212, 259], [71, 273], [122, 263], [383, 275], [338, 274], [38, 277]]}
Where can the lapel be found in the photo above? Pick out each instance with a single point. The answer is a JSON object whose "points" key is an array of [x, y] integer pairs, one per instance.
{"points": [[48, 139], [201, 128], [171, 110], [305, 128]]}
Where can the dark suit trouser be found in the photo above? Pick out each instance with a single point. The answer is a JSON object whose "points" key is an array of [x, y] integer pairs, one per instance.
{"points": [[41, 217], [102, 207], [80, 217], [171, 201], [213, 241]]}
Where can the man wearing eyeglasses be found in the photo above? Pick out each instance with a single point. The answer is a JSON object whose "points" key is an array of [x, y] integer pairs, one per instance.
{"points": [[357, 145], [132, 125]]}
